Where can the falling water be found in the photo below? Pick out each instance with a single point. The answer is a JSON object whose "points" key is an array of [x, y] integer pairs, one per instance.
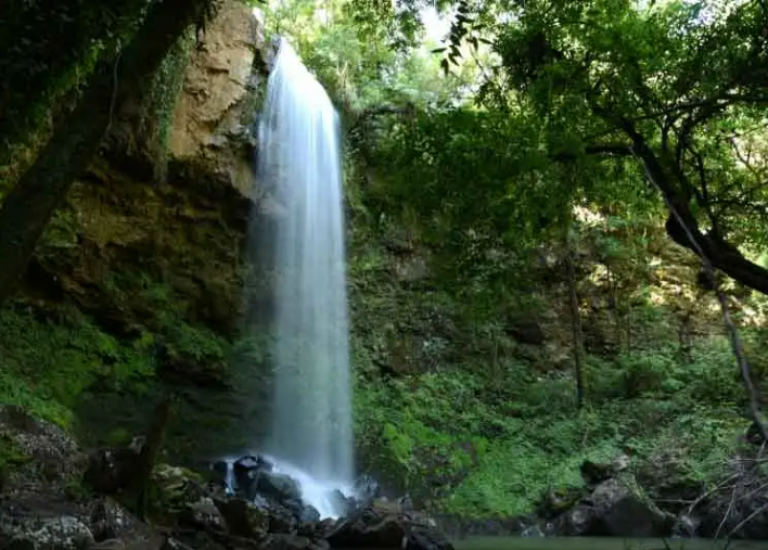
{"points": [[299, 162]]}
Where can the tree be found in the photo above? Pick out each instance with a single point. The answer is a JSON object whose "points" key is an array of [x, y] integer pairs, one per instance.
{"points": [[680, 88], [30, 204], [677, 88]]}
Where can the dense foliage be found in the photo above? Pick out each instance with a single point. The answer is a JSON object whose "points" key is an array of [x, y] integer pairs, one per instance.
{"points": [[530, 195]]}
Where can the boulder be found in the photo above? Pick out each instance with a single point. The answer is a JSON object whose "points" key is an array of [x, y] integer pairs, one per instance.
{"points": [[54, 533], [177, 488], [280, 487], [577, 521], [247, 471], [388, 533], [623, 510], [203, 514], [340, 502], [616, 508], [109, 520], [48, 457], [423, 538], [281, 519], [243, 518]]}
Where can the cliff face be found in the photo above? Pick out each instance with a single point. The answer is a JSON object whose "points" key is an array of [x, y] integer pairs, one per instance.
{"points": [[185, 233], [149, 248]]}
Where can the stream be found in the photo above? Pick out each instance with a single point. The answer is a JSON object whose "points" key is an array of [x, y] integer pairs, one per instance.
{"points": [[601, 543]]}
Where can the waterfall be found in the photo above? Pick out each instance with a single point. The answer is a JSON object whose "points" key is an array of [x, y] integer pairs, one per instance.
{"points": [[300, 166]]}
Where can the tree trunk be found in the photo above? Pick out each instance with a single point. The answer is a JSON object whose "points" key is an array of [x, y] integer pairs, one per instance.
{"points": [[575, 327], [29, 206], [137, 488]]}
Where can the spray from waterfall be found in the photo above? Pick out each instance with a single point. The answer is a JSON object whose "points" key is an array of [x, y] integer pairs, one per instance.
{"points": [[300, 165]]}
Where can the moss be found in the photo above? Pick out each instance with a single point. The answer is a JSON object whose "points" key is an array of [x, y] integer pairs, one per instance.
{"points": [[10, 457], [48, 363], [163, 93]]}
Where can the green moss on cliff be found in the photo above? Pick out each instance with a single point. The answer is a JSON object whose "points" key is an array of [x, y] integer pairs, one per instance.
{"points": [[47, 363]]}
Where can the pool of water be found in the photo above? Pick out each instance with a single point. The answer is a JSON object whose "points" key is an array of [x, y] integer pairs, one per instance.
{"points": [[603, 543]]}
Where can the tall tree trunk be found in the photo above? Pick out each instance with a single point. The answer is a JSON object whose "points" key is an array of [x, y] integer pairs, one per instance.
{"points": [[575, 325], [29, 206], [153, 443]]}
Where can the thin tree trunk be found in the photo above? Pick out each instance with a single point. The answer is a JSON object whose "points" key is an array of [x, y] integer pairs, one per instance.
{"points": [[153, 443], [701, 245], [29, 206], [575, 327]]}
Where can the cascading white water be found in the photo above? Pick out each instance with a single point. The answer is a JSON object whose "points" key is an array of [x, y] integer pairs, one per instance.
{"points": [[300, 161]]}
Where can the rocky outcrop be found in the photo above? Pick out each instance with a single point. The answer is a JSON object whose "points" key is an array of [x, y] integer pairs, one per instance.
{"points": [[212, 121], [39, 454], [121, 230], [616, 508], [187, 512], [163, 260]]}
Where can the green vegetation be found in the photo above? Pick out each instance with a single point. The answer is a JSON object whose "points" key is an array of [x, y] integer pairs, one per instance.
{"points": [[541, 194]]}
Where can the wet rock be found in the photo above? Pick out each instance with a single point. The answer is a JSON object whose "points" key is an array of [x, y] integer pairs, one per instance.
{"points": [[246, 472], [340, 502], [304, 513], [280, 487], [577, 521], [388, 533], [57, 533], [555, 502], [367, 488], [243, 518], [203, 514]]}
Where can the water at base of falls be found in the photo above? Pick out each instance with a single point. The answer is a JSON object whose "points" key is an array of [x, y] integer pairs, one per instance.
{"points": [[317, 493], [300, 165]]}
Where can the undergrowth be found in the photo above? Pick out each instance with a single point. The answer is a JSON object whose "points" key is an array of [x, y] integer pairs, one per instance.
{"points": [[481, 440], [47, 362]]}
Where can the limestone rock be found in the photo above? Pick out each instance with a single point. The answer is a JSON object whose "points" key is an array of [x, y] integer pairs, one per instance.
{"points": [[208, 116]]}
